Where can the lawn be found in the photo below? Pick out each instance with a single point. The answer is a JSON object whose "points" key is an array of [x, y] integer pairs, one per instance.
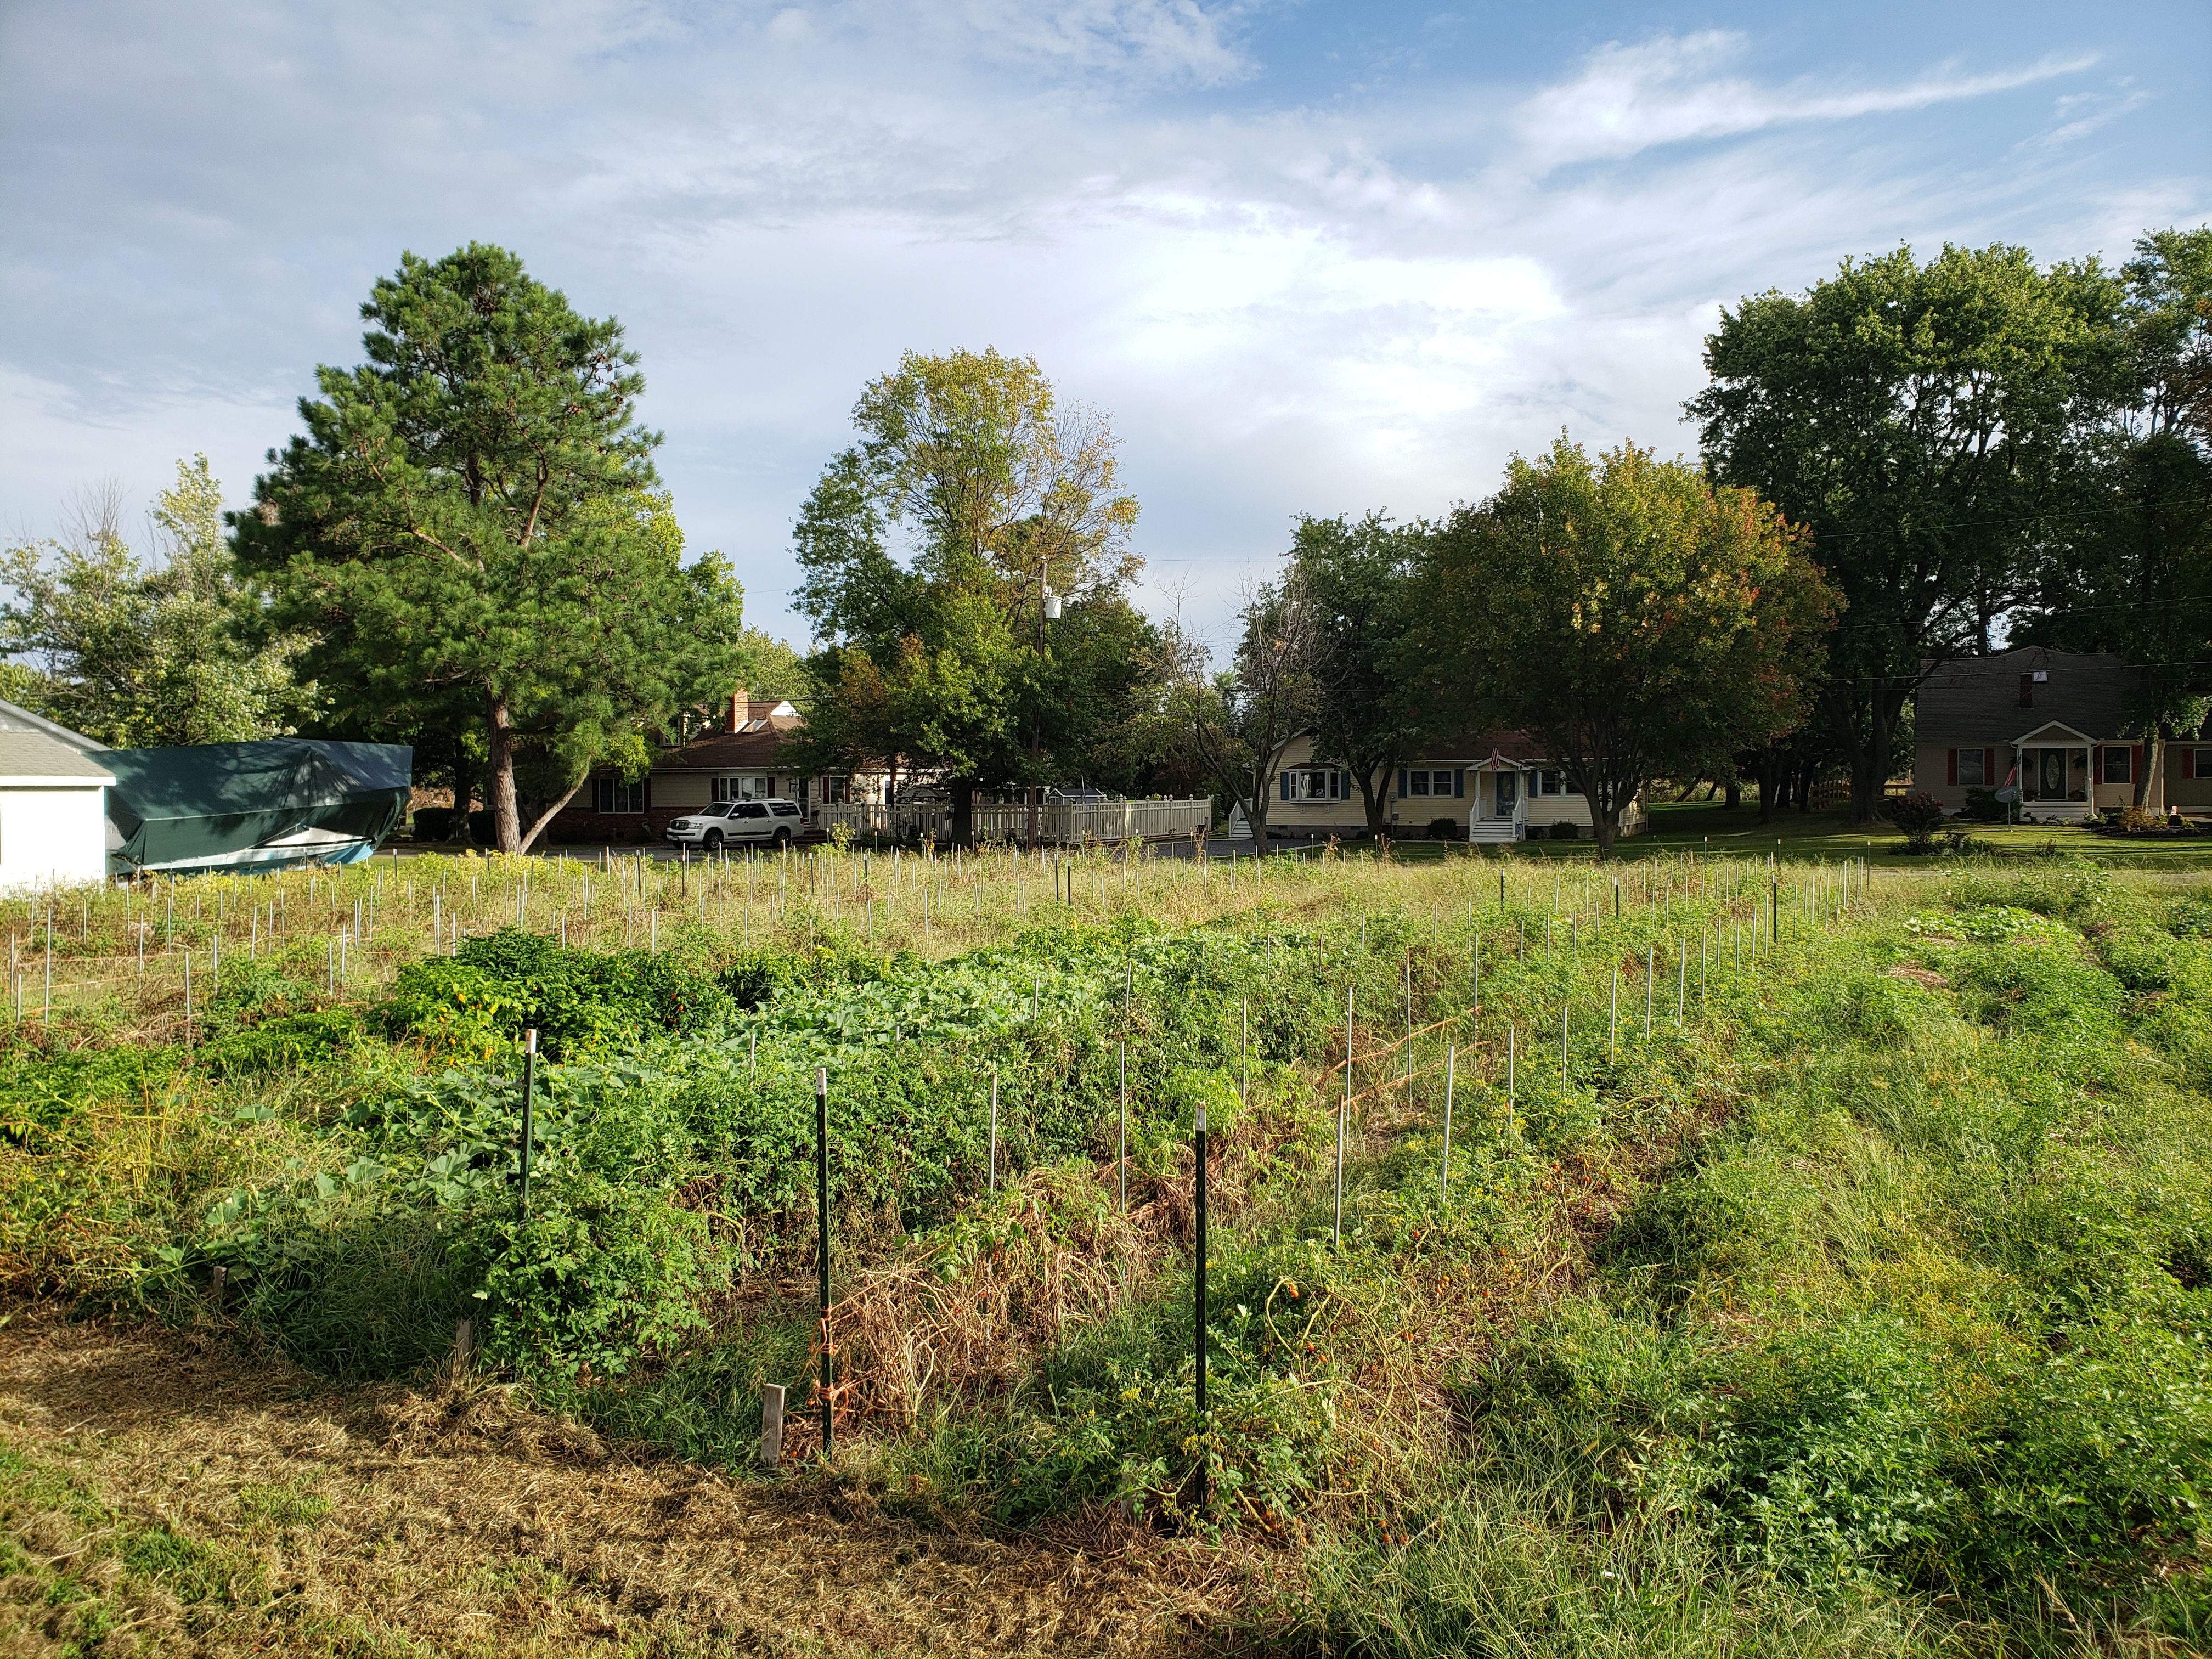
{"points": [[1721, 1259]]}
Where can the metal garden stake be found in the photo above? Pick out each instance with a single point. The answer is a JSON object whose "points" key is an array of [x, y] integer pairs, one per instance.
{"points": [[529, 1093], [822, 1236], [1198, 1140], [1443, 1164]]}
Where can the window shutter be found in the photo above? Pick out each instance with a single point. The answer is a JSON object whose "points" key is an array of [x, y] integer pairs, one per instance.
{"points": [[1459, 783], [2188, 763], [2134, 762], [1401, 783], [1340, 781], [1989, 769], [1284, 784], [1953, 756]]}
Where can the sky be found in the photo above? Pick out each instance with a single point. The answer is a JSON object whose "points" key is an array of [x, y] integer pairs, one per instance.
{"points": [[1308, 257]]}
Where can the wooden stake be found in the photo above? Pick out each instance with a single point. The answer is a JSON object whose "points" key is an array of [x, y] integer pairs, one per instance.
{"points": [[771, 1441]]}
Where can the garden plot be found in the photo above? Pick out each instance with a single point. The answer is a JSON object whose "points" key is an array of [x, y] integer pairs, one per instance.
{"points": [[1808, 1266]]}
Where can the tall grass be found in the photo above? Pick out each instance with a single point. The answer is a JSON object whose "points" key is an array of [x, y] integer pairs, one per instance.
{"points": [[1819, 1268]]}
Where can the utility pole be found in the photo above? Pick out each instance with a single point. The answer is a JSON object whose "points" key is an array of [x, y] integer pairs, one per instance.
{"points": [[1048, 608]]}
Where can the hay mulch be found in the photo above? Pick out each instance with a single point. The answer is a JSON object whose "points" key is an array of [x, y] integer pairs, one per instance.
{"points": [[456, 1520]]}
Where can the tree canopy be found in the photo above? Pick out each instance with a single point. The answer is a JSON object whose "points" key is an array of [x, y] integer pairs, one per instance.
{"points": [[928, 547], [1370, 700], [181, 650], [1625, 614], [471, 520], [1917, 419]]}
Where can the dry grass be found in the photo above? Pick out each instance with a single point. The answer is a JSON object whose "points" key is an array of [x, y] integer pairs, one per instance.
{"points": [[459, 1522]]}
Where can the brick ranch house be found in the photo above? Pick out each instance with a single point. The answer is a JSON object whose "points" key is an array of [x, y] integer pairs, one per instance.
{"points": [[735, 759]]}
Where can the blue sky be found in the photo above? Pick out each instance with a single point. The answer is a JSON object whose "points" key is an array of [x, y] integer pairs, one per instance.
{"points": [[1311, 258]]}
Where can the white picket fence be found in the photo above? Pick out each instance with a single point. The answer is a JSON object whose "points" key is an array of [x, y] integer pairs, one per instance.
{"points": [[1062, 823]]}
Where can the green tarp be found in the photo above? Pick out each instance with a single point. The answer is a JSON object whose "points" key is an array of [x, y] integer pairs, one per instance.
{"points": [[253, 805]]}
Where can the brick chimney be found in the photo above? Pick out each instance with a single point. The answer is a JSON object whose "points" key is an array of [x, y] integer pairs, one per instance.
{"points": [[739, 704]]}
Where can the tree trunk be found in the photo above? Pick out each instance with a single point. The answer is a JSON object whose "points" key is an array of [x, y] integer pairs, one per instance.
{"points": [[1255, 809], [963, 810], [554, 810], [506, 811], [465, 793], [1804, 786], [1733, 798], [2153, 752], [1372, 798], [1770, 782], [1605, 822]]}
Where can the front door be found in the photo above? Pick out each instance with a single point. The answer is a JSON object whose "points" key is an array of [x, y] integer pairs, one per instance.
{"points": [[1508, 794], [2050, 783]]}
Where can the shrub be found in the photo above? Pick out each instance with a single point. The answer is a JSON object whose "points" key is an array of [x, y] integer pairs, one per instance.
{"points": [[1443, 829], [1919, 816], [1564, 830], [481, 1000], [1983, 806]]}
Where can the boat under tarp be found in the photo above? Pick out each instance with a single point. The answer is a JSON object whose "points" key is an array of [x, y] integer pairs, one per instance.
{"points": [[272, 805]]}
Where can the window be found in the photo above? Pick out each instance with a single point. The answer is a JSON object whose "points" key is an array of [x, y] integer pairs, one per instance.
{"points": [[2203, 766], [1972, 772], [783, 808], [1549, 781], [1312, 783], [613, 795], [749, 809], [2118, 758], [1434, 780], [747, 787]]}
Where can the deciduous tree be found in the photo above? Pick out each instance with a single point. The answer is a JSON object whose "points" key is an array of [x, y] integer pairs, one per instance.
{"points": [[928, 547], [1233, 724], [1627, 616], [1371, 701], [1918, 419], [139, 656]]}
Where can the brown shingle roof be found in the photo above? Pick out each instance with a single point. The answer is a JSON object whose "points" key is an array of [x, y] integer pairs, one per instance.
{"points": [[1976, 700], [752, 750]]}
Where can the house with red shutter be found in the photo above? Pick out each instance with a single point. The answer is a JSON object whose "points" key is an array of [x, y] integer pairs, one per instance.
{"points": [[2051, 722]]}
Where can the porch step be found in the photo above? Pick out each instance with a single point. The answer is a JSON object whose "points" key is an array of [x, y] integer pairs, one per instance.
{"points": [[1493, 829]]}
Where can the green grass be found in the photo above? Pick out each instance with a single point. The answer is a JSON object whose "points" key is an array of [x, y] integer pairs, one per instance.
{"points": [[1794, 835]]}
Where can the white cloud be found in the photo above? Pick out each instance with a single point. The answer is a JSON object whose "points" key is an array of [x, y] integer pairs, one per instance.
{"points": [[1287, 309], [1668, 89]]}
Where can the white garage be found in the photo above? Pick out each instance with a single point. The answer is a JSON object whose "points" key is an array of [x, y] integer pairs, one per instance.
{"points": [[53, 811]]}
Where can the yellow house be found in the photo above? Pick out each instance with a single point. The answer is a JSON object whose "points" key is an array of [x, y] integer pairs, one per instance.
{"points": [[1498, 786]]}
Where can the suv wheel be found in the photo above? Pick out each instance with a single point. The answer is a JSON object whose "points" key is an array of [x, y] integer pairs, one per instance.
{"points": [[782, 837], [714, 841]]}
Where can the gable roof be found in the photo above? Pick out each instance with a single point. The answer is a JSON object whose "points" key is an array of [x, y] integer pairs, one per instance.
{"points": [[29, 758], [1976, 700], [751, 748], [15, 719]]}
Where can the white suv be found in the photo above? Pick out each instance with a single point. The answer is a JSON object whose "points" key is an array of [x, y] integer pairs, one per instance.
{"points": [[711, 828]]}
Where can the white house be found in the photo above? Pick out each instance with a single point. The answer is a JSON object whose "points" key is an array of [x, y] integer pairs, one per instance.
{"points": [[1493, 786], [53, 804]]}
